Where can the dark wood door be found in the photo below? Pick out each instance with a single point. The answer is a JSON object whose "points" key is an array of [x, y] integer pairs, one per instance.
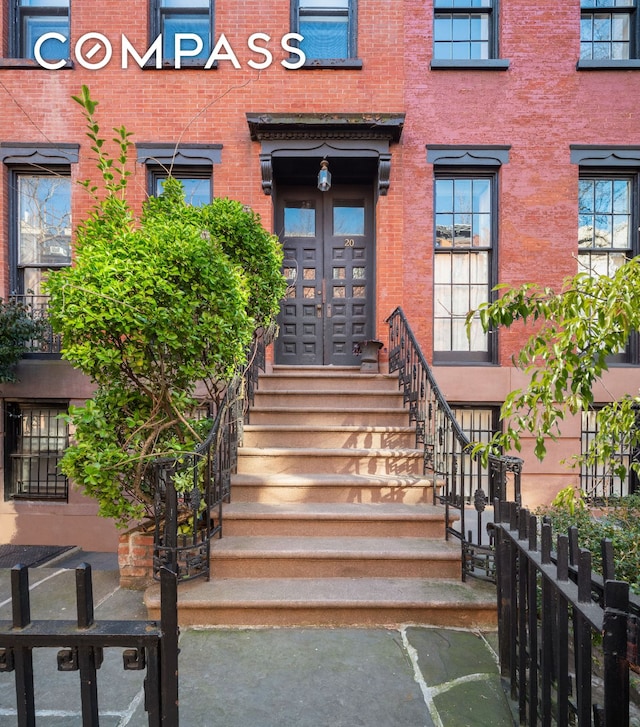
{"points": [[329, 262]]}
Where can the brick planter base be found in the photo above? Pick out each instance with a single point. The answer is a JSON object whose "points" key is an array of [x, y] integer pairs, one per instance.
{"points": [[135, 558]]}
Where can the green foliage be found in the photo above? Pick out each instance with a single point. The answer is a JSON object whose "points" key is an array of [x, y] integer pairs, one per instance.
{"points": [[619, 522], [574, 331], [17, 329], [154, 309]]}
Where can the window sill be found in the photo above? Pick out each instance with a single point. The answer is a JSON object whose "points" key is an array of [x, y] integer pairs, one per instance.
{"points": [[608, 65], [491, 64], [441, 358], [349, 64], [29, 64]]}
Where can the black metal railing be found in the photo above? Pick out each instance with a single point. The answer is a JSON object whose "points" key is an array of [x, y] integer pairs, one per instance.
{"points": [[37, 306], [567, 638], [189, 490], [147, 646], [457, 474]]}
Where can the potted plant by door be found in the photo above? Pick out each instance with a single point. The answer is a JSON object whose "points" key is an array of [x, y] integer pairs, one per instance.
{"points": [[369, 351]]}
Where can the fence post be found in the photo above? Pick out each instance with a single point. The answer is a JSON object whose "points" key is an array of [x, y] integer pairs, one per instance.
{"points": [[169, 647], [614, 645], [89, 657], [22, 655]]}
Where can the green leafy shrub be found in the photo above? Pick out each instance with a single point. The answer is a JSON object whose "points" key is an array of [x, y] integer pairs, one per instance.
{"points": [[618, 520], [159, 310], [17, 329]]}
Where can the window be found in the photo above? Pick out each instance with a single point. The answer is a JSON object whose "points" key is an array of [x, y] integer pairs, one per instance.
{"points": [[479, 423], [607, 30], [598, 481], [465, 34], [192, 164], [196, 186], [328, 28], [36, 438], [34, 18], [192, 17], [42, 228], [605, 224], [464, 240]]}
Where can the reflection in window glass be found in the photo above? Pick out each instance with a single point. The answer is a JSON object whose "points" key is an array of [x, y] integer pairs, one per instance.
{"points": [[44, 213], [299, 219], [190, 16], [197, 190], [37, 17], [348, 218], [462, 279], [606, 35], [324, 25]]}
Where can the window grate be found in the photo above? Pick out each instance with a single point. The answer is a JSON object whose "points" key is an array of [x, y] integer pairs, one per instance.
{"points": [[36, 440]]}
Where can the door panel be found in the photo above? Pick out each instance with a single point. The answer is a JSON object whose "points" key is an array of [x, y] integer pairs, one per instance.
{"points": [[328, 246]]}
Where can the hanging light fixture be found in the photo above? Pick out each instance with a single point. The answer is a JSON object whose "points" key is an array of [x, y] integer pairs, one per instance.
{"points": [[324, 176]]}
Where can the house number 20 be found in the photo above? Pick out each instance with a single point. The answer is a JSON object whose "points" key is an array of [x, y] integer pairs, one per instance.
{"points": [[349, 242]]}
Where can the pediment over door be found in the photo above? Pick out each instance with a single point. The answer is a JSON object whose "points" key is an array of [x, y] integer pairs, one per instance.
{"points": [[358, 144]]}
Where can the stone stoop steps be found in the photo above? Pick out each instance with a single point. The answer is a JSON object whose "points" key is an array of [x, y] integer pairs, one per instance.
{"points": [[331, 520]]}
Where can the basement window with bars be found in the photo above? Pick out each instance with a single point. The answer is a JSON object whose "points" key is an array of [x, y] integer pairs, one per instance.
{"points": [[479, 423], [35, 440], [597, 481]]}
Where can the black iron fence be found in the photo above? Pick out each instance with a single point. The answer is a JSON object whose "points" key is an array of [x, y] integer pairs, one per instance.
{"points": [[459, 477], [147, 646], [567, 637], [189, 491]]}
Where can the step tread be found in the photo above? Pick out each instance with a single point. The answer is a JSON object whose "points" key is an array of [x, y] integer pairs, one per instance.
{"points": [[327, 428], [330, 511], [343, 547], [335, 479], [330, 451], [291, 593]]}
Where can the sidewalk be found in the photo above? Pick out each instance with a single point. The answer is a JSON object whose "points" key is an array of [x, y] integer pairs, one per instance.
{"points": [[299, 677]]}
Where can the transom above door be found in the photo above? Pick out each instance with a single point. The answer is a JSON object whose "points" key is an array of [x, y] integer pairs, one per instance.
{"points": [[329, 263]]}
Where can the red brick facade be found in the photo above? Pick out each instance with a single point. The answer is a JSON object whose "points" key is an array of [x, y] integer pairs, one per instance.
{"points": [[537, 107]]}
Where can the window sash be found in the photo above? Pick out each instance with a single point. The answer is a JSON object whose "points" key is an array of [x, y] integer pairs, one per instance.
{"points": [[607, 35], [464, 30], [36, 17], [463, 241], [177, 16], [327, 26], [197, 184], [42, 228]]}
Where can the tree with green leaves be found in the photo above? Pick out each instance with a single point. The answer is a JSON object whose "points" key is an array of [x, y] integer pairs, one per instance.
{"points": [[18, 328], [575, 330], [159, 311]]}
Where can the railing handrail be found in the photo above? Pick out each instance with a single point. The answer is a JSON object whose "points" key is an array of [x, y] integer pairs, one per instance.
{"points": [[448, 451], [209, 466]]}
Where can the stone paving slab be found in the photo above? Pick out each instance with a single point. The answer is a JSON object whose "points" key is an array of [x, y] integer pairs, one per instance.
{"points": [[267, 677]]}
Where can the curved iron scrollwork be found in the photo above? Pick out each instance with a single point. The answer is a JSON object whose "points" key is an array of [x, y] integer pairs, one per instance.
{"points": [[189, 490], [459, 477]]}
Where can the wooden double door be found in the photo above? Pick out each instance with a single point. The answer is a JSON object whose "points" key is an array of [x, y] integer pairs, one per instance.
{"points": [[328, 240]]}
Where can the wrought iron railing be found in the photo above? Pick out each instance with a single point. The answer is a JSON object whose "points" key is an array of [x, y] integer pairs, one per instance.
{"points": [[567, 638], [47, 342], [457, 474], [189, 490]]}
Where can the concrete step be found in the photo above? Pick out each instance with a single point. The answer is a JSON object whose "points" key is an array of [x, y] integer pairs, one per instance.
{"points": [[319, 399], [301, 460], [333, 519], [347, 436], [326, 379], [339, 557], [383, 602], [394, 416], [332, 487]]}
